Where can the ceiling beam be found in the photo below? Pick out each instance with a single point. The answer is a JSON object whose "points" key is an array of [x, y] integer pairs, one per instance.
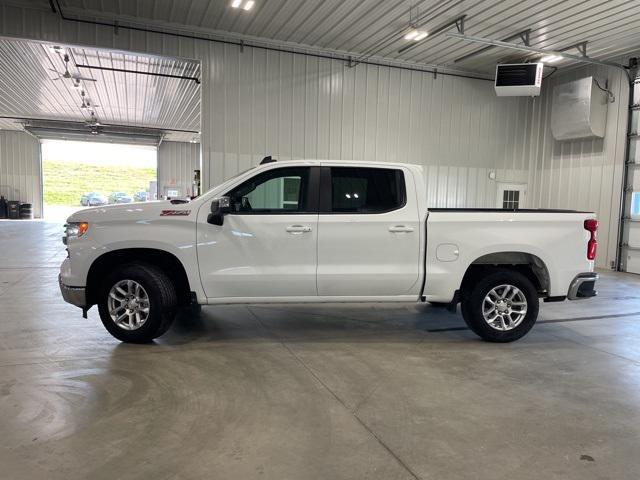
{"points": [[525, 48], [523, 35], [138, 72]]}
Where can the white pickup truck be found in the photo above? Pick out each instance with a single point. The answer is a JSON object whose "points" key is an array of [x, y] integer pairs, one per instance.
{"points": [[324, 231]]}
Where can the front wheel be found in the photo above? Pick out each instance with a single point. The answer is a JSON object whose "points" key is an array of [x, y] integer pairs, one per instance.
{"points": [[137, 303], [501, 307]]}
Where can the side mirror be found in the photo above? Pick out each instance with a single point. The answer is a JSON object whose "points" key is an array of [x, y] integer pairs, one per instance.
{"points": [[219, 208]]}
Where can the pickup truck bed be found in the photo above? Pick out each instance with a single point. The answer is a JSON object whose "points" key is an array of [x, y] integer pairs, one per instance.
{"points": [[543, 239]]}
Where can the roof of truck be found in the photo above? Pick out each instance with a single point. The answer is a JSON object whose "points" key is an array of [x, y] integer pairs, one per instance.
{"points": [[361, 163]]}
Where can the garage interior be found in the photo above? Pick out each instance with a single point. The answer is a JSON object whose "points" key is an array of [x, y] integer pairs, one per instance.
{"points": [[323, 391]]}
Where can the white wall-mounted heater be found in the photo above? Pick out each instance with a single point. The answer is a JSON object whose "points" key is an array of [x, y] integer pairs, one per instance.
{"points": [[518, 79]]}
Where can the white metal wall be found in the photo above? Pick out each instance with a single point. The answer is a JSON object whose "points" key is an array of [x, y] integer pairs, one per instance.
{"points": [[294, 106], [582, 174], [20, 177], [176, 163]]}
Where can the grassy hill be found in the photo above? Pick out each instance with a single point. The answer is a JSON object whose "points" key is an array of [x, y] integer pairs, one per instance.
{"points": [[66, 182]]}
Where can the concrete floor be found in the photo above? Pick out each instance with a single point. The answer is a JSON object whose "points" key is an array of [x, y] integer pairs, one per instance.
{"points": [[311, 392]]}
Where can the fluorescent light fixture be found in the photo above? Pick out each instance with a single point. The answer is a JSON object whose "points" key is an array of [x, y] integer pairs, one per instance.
{"points": [[416, 35], [421, 35], [550, 58], [236, 3], [249, 5], [411, 35]]}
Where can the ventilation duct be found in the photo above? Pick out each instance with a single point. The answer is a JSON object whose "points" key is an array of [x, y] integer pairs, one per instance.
{"points": [[579, 110]]}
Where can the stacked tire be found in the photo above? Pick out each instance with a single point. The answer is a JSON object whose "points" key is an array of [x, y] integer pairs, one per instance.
{"points": [[26, 211]]}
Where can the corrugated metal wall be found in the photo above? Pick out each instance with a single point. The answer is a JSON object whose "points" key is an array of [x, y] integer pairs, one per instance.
{"points": [[582, 174], [176, 163], [293, 106], [20, 176]]}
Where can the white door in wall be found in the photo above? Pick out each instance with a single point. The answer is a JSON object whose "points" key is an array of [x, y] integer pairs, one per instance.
{"points": [[512, 196]]}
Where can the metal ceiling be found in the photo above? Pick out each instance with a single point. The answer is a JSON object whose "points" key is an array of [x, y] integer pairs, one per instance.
{"points": [[611, 27], [129, 89], [372, 29]]}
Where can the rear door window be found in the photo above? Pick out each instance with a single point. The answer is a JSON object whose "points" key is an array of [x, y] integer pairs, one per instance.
{"points": [[366, 190]]}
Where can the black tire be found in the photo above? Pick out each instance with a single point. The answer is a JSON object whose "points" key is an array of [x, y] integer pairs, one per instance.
{"points": [[162, 302], [472, 305]]}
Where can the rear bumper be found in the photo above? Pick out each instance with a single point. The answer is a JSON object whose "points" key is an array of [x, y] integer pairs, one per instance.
{"points": [[73, 295], [583, 286]]}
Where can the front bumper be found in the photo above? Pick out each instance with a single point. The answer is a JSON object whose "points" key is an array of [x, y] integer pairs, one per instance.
{"points": [[74, 295], [583, 286]]}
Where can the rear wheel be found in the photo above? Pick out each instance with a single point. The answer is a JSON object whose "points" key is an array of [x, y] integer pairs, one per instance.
{"points": [[137, 303], [501, 307]]}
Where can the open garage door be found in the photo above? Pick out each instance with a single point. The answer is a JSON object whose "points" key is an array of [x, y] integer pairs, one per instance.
{"points": [[630, 246], [116, 113], [78, 174]]}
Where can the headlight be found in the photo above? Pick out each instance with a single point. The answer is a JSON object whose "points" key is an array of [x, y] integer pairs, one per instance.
{"points": [[74, 230]]}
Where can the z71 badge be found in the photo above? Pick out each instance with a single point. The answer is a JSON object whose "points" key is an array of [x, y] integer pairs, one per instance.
{"points": [[174, 213]]}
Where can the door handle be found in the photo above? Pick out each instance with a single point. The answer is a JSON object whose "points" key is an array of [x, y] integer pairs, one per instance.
{"points": [[400, 229], [298, 229]]}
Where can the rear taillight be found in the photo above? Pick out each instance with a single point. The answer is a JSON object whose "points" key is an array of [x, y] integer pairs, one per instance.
{"points": [[591, 226]]}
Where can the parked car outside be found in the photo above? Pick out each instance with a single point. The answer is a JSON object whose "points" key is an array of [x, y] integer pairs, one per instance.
{"points": [[141, 196], [93, 199], [120, 197]]}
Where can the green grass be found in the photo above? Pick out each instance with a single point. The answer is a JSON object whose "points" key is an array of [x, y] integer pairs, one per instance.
{"points": [[66, 182]]}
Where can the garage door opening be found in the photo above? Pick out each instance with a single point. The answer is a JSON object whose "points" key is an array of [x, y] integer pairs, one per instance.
{"points": [[78, 175]]}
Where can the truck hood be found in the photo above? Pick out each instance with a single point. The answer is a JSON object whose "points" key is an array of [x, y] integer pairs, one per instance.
{"points": [[135, 212]]}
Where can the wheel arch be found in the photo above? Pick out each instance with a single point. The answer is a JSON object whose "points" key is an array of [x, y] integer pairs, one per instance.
{"points": [[162, 259], [528, 264]]}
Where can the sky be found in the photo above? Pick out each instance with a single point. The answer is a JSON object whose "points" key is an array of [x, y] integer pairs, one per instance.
{"points": [[99, 153]]}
